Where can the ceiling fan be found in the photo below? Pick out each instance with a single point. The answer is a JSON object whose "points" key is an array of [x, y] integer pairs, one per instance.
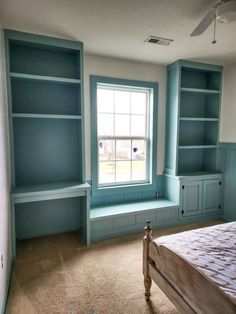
{"points": [[223, 11]]}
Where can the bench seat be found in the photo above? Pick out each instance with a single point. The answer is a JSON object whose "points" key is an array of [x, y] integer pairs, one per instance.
{"points": [[112, 220]]}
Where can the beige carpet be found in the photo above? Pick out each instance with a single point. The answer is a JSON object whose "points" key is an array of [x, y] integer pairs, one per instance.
{"points": [[57, 274]]}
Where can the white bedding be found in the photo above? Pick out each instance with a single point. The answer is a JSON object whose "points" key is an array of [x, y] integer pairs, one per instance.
{"points": [[211, 250]]}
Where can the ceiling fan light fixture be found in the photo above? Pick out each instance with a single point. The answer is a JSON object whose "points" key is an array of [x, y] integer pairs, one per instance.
{"points": [[227, 12]]}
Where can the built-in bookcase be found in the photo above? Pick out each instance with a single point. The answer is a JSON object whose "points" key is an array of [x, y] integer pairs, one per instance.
{"points": [[47, 114], [192, 125], [45, 88], [193, 107]]}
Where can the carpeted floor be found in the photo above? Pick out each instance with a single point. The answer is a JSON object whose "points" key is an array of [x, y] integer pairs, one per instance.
{"points": [[57, 274]]}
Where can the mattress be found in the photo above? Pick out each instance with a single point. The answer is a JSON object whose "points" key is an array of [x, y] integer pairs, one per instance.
{"points": [[201, 265]]}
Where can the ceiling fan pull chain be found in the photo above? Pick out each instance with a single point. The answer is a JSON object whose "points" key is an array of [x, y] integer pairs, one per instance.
{"points": [[214, 39]]}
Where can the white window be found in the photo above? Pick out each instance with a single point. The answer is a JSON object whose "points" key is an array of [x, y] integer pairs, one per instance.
{"points": [[123, 134]]}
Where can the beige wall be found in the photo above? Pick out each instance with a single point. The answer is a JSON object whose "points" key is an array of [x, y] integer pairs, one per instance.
{"points": [[228, 106], [111, 67], [5, 239]]}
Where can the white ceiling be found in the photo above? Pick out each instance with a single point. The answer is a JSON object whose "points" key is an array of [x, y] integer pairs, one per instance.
{"points": [[118, 28]]}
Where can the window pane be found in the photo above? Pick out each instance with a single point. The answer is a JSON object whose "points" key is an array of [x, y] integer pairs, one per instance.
{"points": [[139, 150], [106, 172], [138, 170], [138, 103], [123, 149], [105, 100], [106, 149], [105, 124], [122, 125], [138, 125], [122, 114], [122, 102], [123, 171]]}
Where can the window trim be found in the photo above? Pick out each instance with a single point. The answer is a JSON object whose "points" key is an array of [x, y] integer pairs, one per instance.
{"points": [[137, 187]]}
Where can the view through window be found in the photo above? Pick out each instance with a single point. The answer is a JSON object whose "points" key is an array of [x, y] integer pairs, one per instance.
{"points": [[123, 124]]}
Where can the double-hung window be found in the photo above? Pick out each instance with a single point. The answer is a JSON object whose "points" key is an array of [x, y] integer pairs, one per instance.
{"points": [[123, 132]]}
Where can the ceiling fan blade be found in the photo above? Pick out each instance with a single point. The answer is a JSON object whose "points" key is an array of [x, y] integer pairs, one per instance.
{"points": [[205, 22]]}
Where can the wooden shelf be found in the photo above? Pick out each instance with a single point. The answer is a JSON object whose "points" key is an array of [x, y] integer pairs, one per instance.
{"points": [[199, 90], [213, 174], [48, 191], [46, 116], [44, 78], [198, 119], [197, 146]]}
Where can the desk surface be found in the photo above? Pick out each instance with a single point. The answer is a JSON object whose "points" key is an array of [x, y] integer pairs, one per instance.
{"points": [[47, 191]]}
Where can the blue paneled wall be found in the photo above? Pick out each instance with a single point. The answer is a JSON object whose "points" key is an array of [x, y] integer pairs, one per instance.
{"points": [[128, 197], [227, 162]]}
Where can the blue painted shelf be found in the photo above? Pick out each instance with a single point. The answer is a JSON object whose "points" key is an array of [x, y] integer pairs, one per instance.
{"points": [[45, 78], [198, 119], [46, 116], [199, 175], [197, 146], [48, 191], [199, 90]]}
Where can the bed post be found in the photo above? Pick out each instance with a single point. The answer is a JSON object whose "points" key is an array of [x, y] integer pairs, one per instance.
{"points": [[146, 241]]}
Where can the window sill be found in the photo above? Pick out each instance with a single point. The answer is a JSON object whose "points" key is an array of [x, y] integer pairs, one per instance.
{"points": [[118, 189]]}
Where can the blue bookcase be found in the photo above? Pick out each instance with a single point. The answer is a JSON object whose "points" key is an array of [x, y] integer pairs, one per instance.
{"points": [[193, 106], [192, 126], [45, 93]]}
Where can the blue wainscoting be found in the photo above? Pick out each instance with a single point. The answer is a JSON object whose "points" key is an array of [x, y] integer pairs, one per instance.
{"points": [[128, 196], [227, 163]]}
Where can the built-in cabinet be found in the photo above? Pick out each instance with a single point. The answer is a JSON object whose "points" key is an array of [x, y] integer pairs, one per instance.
{"points": [[192, 125], [45, 93], [191, 198], [198, 195]]}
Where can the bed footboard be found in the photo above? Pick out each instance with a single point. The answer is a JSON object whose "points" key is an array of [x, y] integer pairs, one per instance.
{"points": [[190, 290], [146, 242], [151, 273]]}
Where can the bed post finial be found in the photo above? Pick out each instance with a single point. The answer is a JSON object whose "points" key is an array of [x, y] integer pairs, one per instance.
{"points": [[148, 231], [146, 241]]}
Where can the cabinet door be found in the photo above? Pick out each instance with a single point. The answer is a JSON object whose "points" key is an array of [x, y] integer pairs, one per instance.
{"points": [[211, 195], [191, 196]]}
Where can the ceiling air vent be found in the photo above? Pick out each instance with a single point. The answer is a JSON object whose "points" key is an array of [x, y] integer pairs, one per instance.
{"points": [[158, 41]]}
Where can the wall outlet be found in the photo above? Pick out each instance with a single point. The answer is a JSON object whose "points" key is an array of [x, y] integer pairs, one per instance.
{"points": [[2, 260], [157, 194]]}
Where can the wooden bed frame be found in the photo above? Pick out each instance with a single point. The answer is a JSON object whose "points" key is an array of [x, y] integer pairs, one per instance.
{"points": [[190, 290], [151, 272]]}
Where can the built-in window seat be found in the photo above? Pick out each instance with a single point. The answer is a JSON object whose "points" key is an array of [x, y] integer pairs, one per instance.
{"points": [[112, 220]]}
